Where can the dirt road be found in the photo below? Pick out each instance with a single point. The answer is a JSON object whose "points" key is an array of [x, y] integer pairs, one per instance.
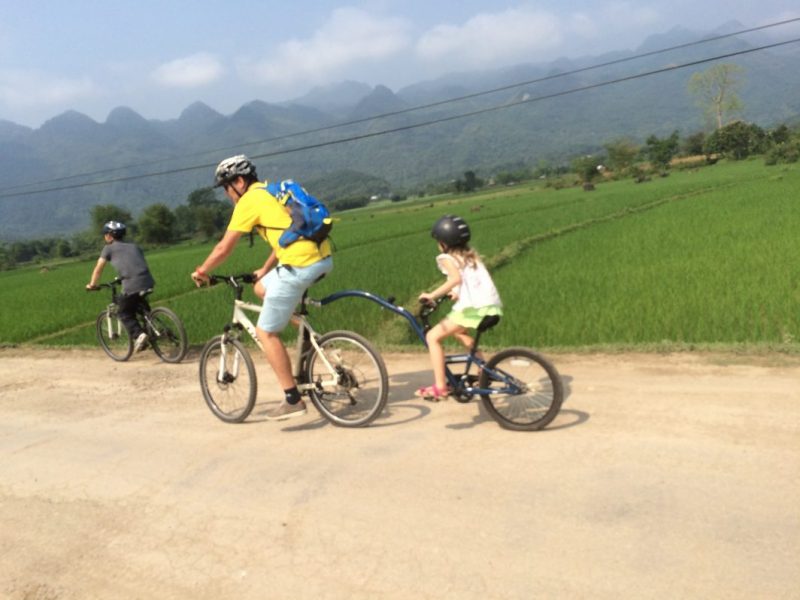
{"points": [[664, 477]]}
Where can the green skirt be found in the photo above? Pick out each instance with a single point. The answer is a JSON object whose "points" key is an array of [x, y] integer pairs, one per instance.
{"points": [[471, 317]]}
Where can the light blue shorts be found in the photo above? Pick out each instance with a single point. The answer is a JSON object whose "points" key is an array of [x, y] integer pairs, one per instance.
{"points": [[285, 286]]}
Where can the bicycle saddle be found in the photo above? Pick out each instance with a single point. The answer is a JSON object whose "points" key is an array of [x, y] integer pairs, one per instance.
{"points": [[488, 322]]}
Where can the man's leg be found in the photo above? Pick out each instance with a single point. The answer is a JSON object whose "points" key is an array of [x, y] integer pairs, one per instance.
{"points": [[277, 357], [283, 288]]}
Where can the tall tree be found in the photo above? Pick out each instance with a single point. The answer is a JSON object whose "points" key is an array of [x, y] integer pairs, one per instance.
{"points": [[715, 91], [157, 224]]}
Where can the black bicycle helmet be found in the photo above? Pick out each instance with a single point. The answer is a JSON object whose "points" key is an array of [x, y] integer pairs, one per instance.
{"points": [[233, 167], [115, 229], [451, 230]]}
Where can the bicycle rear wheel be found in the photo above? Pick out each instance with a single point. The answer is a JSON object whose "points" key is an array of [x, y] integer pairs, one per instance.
{"points": [[228, 379], [361, 381], [528, 389], [113, 336], [167, 335]]}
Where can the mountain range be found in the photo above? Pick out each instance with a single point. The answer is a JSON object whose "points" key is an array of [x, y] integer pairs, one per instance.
{"points": [[565, 109]]}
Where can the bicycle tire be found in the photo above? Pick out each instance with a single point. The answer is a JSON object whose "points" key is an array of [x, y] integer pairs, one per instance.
{"points": [[540, 399], [167, 335], [113, 337], [231, 396], [362, 380]]}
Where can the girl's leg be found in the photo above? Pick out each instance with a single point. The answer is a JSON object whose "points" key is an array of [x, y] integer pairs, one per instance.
{"points": [[468, 340], [434, 337]]}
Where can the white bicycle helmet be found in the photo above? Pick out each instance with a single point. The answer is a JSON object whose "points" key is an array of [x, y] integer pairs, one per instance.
{"points": [[233, 167]]}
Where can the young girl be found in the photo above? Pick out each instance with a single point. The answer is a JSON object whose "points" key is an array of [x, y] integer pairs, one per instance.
{"points": [[469, 284]]}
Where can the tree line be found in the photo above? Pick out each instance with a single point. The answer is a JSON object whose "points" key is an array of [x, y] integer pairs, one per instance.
{"points": [[202, 217]]}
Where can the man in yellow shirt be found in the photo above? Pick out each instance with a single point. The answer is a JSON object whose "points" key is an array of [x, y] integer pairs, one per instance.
{"points": [[286, 274]]}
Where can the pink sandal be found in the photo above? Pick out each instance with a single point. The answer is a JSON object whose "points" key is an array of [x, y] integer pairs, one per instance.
{"points": [[432, 393]]}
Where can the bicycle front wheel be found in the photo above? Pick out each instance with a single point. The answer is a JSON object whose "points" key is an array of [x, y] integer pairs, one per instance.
{"points": [[527, 391], [167, 335], [113, 336], [352, 392], [228, 379]]}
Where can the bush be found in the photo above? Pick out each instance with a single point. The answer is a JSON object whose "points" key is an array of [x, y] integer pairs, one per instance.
{"points": [[785, 153], [737, 140]]}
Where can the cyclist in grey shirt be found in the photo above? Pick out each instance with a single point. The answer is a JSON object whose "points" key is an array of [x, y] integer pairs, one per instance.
{"points": [[127, 258]]}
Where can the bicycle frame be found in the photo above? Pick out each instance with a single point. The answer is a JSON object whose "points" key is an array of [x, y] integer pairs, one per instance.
{"points": [[457, 381], [113, 309], [242, 321]]}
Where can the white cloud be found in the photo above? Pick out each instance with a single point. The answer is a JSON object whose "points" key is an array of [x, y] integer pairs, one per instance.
{"points": [[350, 37], [26, 89], [491, 39], [611, 18], [192, 71]]}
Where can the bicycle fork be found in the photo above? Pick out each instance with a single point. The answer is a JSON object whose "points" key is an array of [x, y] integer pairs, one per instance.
{"points": [[225, 375], [110, 314]]}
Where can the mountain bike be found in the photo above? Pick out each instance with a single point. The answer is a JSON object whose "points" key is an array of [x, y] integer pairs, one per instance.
{"points": [[166, 334], [518, 387], [340, 371]]}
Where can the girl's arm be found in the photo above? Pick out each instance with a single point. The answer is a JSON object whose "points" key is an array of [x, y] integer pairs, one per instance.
{"points": [[453, 281]]}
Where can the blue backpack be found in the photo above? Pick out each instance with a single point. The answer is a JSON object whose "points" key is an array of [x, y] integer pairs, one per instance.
{"points": [[311, 219]]}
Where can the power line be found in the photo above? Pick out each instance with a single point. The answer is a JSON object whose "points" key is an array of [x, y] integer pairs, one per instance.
{"points": [[429, 122], [423, 106]]}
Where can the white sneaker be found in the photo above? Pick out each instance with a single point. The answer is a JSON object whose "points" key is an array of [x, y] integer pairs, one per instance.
{"points": [[138, 345]]}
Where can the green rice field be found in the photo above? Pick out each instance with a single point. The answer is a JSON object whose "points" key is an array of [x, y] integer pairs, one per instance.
{"points": [[704, 257]]}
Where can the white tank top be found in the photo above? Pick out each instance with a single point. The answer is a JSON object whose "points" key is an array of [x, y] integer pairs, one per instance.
{"points": [[477, 288]]}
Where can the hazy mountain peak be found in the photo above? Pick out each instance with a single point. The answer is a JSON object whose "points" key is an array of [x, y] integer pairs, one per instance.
{"points": [[334, 96], [380, 100], [674, 37], [69, 121], [9, 129], [199, 111], [728, 27], [122, 116]]}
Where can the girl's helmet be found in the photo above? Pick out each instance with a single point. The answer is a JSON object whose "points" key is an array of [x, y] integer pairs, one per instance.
{"points": [[233, 167], [115, 229], [451, 230]]}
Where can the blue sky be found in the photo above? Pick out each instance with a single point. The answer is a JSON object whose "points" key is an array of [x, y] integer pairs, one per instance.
{"points": [[159, 56]]}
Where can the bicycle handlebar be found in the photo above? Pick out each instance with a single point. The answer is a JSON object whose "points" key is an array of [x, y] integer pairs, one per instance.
{"points": [[111, 284], [428, 308], [232, 280]]}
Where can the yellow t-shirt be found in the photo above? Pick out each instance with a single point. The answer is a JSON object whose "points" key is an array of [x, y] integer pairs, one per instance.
{"points": [[260, 209]]}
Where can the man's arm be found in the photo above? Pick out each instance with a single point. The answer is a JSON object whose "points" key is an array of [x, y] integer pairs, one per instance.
{"points": [[217, 256], [271, 261]]}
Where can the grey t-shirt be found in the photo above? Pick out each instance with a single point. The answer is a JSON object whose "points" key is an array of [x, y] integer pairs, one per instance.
{"points": [[128, 260]]}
